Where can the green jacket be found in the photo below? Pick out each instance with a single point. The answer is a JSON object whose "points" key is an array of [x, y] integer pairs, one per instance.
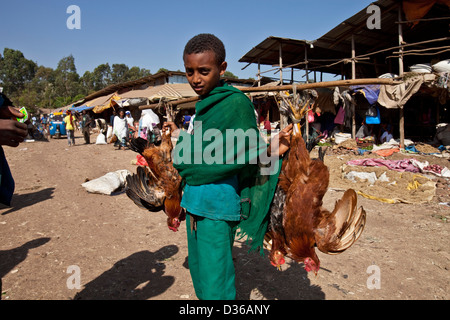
{"points": [[226, 142]]}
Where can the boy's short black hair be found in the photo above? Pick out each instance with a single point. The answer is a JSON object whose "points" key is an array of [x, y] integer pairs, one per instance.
{"points": [[206, 42]]}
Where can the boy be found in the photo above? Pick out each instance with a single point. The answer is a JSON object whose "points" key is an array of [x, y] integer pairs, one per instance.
{"points": [[215, 190]]}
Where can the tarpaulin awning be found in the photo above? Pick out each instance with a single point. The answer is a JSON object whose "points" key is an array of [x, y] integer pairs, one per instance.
{"points": [[111, 102], [417, 9], [80, 108], [396, 96]]}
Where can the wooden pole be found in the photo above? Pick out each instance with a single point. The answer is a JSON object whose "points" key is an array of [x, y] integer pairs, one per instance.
{"points": [[281, 62], [400, 66], [303, 86], [259, 73], [353, 78], [306, 64]]}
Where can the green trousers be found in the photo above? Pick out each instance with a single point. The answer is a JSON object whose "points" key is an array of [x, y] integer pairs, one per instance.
{"points": [[210, 244]]}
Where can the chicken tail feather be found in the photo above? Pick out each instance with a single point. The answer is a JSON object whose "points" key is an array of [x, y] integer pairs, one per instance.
{"points": [[340, 229], [144, 191]]}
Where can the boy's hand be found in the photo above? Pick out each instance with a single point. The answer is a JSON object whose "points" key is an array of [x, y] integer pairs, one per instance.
{"points": [[8, 112], [12, 132], [169, 125], [281, 142], [174, 131]]}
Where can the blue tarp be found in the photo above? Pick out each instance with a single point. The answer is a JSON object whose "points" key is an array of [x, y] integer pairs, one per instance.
{"points": [[370, 92], [80, 108]]}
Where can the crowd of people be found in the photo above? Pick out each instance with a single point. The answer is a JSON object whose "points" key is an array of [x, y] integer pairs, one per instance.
{"points": [[119, 130]]}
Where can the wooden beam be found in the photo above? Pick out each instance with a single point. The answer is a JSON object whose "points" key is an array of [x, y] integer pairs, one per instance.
{"points": [[304, 86]]}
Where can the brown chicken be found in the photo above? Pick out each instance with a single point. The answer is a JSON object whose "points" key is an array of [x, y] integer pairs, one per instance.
{"points": [[298, 222], [157, 186]]}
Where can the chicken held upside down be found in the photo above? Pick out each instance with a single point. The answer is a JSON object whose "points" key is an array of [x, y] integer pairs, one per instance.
{"points": [[157, 186], [299, 222]]}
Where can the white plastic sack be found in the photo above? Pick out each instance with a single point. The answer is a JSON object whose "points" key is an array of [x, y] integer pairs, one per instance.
{"points": [[421, 68], [341, 137], [101, 139], [442, 66], [108, 183], [109, 133]]}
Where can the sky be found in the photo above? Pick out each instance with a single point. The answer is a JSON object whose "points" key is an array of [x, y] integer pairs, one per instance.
{"points": [[152, 34]]}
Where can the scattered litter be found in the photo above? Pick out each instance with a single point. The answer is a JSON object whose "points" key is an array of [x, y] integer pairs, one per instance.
{"points": [[371, 177], [411, 165]]}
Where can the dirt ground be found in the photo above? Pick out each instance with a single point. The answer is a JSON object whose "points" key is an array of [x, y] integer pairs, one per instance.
{"points": [[55, 231]]}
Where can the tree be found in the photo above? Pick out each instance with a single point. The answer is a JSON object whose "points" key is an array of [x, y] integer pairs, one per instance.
{"points": [[15, 71], [43, 85], [229, 74], [136, 73], [31, 85], [87, 85], [102, 76], [67, 78], [119, 73], [162, 70]]}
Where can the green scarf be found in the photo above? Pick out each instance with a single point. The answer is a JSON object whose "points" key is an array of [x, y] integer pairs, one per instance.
{"points": [[226, 142]]}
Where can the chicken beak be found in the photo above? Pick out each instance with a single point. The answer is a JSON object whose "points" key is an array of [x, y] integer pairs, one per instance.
{"points": [[279, 267]]}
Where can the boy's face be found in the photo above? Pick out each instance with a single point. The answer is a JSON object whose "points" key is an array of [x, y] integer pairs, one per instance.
{"points": [[203, 72]]}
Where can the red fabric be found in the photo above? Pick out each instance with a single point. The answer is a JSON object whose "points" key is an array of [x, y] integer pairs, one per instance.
{"points": [[417, 9], [140, 160]]}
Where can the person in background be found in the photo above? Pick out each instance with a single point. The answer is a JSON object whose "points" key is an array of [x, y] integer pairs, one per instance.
{"points": [[186, 120], [364, 131], [69, 120], [120, 129], [85, 124], [111, 119], [130, 123], [387, 134], [149, 121], [137, 130]]}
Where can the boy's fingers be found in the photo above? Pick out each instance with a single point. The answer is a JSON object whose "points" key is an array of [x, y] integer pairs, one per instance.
{"points": [[15, 113]]}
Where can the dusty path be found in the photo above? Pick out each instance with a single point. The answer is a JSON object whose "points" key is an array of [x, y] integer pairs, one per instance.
{"points": [[55, 229]]}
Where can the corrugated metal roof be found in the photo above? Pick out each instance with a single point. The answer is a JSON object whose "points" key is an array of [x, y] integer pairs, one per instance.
{"points": [[267, 52], [170, 91], [336, 44]]}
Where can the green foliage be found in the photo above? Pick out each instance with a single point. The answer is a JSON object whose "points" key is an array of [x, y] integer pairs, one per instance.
{"points": [[33, 86], [15, 71], [229, 74]]}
